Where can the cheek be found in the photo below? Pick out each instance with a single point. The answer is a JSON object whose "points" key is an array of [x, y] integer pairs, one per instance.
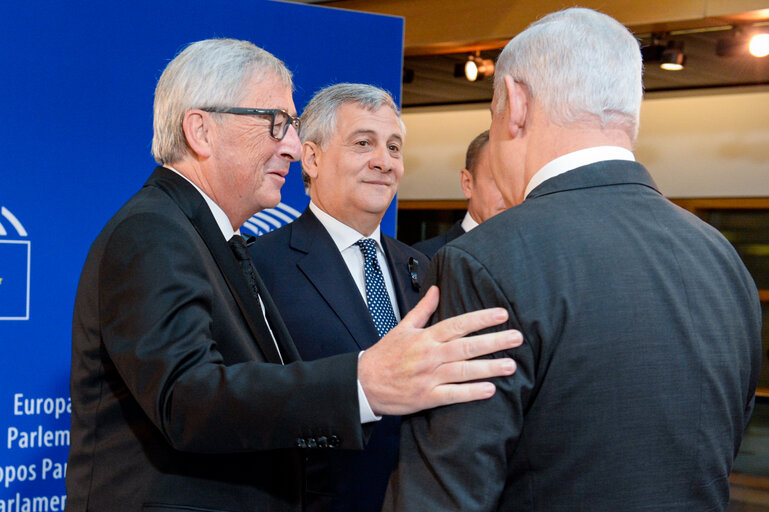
{"points": [[398, 172]]}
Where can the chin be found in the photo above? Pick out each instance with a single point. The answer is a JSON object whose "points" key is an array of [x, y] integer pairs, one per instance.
{"points": [[270, 201]]}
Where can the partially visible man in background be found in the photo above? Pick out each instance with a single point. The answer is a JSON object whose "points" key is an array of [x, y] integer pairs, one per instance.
{"points": [[187, 391], [642, 325], [339, 283], [483, 197]]}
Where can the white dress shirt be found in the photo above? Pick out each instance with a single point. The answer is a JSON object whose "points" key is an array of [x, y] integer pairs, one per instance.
{"points": [[344, 238], [571, 161], [468, 222]]}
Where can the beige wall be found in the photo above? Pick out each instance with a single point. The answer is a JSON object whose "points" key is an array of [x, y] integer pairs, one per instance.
{"points": [[704, 145]]}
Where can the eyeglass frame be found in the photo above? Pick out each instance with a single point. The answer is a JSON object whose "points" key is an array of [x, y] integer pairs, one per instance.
{"points": [[294, 121]]}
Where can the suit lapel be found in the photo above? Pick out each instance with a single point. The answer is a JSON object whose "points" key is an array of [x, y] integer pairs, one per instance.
{"points": [[326, 270], [401, 265], [279, 330], [197, 211]]}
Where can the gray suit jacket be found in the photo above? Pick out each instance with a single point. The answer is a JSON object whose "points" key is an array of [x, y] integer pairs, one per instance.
{"points": [[638, 370], [175, 405]]}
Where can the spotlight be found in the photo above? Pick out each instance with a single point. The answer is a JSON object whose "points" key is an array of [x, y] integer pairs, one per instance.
{"points": [[759, 45], [652, 52], [476, 67], [673, 58], [742, 41]]}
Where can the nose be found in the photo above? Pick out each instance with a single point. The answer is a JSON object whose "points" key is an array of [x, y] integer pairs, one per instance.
{"points": [[380, 159], [290, 146]]}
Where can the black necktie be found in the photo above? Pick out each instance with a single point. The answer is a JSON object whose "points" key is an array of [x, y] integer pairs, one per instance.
{"points": [[377, 298], [239, 249]]}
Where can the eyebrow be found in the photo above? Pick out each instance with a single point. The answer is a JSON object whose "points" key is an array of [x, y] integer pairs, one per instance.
{"points": [[364, 131]]}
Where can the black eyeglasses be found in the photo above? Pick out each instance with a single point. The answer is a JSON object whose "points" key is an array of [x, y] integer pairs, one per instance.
{"points": [[280, 120]]}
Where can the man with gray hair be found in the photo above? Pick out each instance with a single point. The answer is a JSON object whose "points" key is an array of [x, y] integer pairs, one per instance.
{"points": [[322, 269], [642, 325], [187, 390]]}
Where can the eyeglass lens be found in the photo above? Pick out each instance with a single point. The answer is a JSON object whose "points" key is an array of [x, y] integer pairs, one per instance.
{"points": [[281, 122]]}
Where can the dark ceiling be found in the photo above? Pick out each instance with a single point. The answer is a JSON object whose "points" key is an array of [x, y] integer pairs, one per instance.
{"points": [[434, 82]]}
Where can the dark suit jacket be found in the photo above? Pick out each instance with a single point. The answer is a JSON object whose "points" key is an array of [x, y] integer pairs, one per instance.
{"points": [[638, 370], [178, 398], [430, 246], [326, 315]]}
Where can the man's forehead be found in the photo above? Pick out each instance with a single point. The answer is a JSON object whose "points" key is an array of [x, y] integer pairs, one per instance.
{"points": [[269, 91], [356, 118]]}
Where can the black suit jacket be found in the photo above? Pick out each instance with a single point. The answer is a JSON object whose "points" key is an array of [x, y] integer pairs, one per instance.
{"points": [[178, 398], [637, 375], [326, 315], [430, 246]]}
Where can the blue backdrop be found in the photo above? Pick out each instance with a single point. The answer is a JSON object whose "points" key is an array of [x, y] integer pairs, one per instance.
{"points": [[75, 132]]}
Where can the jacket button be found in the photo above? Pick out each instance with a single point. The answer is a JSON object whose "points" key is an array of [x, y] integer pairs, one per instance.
{"points": [[334, 441], [312, 443], [301, 443], [323, 442]]}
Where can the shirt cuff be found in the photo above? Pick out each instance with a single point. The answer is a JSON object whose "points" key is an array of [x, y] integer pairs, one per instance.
{"points": [[366, 414]]}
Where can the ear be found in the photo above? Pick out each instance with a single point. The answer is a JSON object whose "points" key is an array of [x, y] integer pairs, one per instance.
{"points": [[311, 153], [466, 180], [517, 106], [196, 126]]}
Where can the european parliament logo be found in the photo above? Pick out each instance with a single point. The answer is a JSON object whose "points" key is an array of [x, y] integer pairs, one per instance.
{"points": [[270, 219], [15, 251]]}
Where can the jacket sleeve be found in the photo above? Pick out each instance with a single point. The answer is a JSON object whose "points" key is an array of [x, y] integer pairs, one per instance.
{"points": [[191, 363], [454, 458]]}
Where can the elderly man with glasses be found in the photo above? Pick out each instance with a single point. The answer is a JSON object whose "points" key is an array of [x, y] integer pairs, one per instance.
{"points": [[187, 390]]}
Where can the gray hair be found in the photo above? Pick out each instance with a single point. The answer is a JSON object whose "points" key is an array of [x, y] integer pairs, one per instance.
{"points": [[319, 116], [210, 73], [474, 150], [580, 65]]}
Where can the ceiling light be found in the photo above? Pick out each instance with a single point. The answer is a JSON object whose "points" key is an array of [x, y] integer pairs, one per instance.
{"points": [[471, 70], [759, 45], [744, 40], [476, 67], [673, 58]]}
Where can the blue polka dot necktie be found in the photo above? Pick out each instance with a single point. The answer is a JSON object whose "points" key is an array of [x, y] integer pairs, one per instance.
{"points": [[376, 293]]}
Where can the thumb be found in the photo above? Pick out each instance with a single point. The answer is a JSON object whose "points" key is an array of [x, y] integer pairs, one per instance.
{"points": [[418, 317]]}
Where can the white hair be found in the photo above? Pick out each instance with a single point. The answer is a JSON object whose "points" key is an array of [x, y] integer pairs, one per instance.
{"points": [[580, 65], [209, 73]]}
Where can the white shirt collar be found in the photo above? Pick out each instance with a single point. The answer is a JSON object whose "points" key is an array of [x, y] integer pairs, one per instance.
{"points": [[343, 235], [570, 161], [468, 222], [219, 216]]}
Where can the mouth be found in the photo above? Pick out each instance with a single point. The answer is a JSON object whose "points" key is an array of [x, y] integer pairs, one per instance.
{"points": [[280, 173]]}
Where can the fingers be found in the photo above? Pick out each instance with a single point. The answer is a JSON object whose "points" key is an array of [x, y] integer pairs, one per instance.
{"points": [[460, 393], [462, 371], [421, 313], [466, 323], [454, 373], [481, 345]]}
